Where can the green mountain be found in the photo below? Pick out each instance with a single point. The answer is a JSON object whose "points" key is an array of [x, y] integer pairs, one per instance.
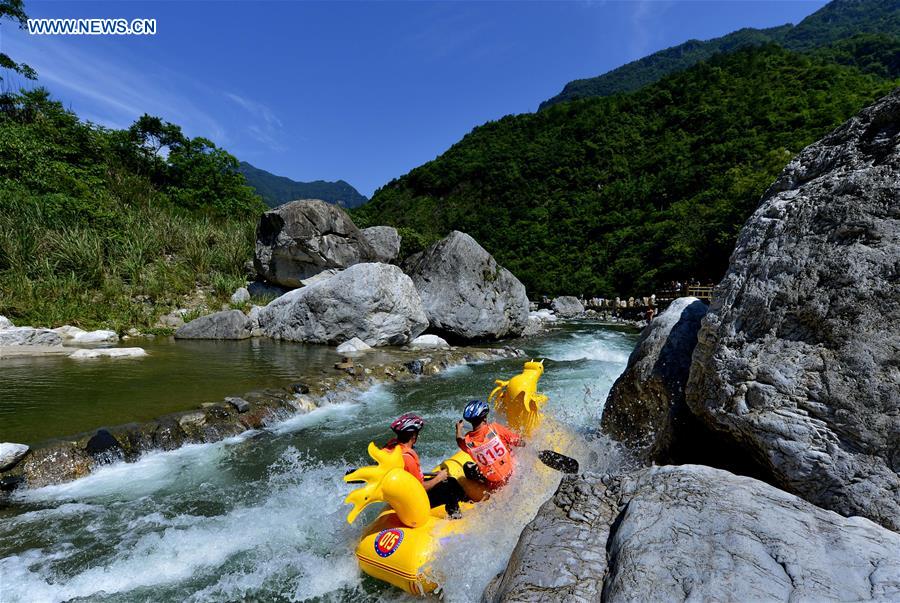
{"points": [[834, 22], [276, 190], [622, 193]]}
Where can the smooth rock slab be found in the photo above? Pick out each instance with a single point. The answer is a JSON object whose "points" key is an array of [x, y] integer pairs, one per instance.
{"points": [[429, 342], [10, 454], [90, 354], [688, 532], [353, 345], [376, 303], [29, 336], [228, 324]]}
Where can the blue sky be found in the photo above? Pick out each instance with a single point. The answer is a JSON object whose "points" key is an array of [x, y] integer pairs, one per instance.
{"points": [[357, 91]]}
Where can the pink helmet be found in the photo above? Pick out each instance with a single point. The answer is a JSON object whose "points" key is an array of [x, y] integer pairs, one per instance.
{"points": [[408, 422]]}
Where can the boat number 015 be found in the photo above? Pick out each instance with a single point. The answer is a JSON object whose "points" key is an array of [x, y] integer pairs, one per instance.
{"points": [[488, 453], [388, 541]]}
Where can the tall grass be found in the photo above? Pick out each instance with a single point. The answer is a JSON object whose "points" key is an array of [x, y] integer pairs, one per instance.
{"points": [[115, 266]]}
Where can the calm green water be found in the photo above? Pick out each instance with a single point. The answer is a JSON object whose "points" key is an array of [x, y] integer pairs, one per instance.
{"points": [[260, 516], [47, 397]]}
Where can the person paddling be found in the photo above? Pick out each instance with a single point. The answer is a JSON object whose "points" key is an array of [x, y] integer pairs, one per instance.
{"points": [[442, 489], [489, 444]]}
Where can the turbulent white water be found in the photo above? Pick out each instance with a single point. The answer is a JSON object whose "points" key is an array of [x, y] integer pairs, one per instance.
{"points": [[260, 516]]}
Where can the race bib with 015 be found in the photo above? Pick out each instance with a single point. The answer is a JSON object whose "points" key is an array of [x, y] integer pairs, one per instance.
{"points": [[490, 452]]}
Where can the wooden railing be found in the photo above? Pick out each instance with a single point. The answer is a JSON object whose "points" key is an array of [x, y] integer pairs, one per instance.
{"points": [[705, 292]]}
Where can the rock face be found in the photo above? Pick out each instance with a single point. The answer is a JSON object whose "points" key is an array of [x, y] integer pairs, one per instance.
{"points": [[302, 238], [10, 454], [467, 295], [228, 324], [567, 306], [29, 336], [646, 407], [678, 533], [374, 302], [797, 360], [385, 240]]}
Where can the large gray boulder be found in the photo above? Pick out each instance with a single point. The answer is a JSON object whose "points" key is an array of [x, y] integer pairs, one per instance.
{"points": [[16, 336], [467, 295], [228, 324], [645, 407], [375, 302], [798, 360], [567, 306], [299, 239], [385, 240], [694, 533], [11, 454]]}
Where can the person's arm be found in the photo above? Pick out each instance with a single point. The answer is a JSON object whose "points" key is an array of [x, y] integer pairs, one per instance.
{"points": [[460, 438], [434, 481]]}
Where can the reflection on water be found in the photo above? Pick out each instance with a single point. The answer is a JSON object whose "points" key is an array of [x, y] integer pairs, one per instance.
{"points": [[260, 517]]}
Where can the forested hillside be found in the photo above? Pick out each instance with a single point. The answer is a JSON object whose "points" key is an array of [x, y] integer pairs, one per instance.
{"points": [[276, 190], [618, 194], [833, 23], [104, 227]]}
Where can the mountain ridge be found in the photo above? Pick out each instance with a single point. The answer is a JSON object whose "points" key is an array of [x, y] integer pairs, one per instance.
{"points": [[276, 190]]}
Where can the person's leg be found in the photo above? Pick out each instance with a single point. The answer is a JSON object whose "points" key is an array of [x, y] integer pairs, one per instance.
{"points": [[448, 493]]}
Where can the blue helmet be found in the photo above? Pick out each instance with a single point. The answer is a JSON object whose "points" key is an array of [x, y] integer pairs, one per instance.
{"points": [[476, 409]]}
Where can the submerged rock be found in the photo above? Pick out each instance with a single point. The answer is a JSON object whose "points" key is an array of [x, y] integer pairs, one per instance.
{"points": [[375, 302], [353, 345], [797, 360], [645, 407], [299, 239], [15, 336], [466, 294], [688, 532], [385, 240], [11, 454], [228, 324], [89, 354], [567, 306]]}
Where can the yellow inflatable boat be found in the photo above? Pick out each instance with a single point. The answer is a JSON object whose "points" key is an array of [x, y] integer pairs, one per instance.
{"points": [[402, 541]]}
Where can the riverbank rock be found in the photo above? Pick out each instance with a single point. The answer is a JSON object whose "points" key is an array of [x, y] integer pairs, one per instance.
{"points": [[93, 353], [11, 454], [646, 408], [240, 296], [466, 294], [228, 324], [374, 302], [567, 306], [429, 342], [797, 360], [353, 345], [5, 323], [688, 532], [385, 240], [75, 335], [15, 336], [299, 239]]}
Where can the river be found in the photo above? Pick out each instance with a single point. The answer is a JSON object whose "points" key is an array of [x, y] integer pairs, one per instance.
{"points": [[260, 516]]}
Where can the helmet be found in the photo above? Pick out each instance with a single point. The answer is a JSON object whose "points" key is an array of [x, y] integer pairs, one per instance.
{"points": [[408, 422], [476, 409]]}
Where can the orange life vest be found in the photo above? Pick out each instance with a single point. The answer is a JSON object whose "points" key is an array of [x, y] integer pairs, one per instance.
{"points": [[410, 459], [489, 446]]}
